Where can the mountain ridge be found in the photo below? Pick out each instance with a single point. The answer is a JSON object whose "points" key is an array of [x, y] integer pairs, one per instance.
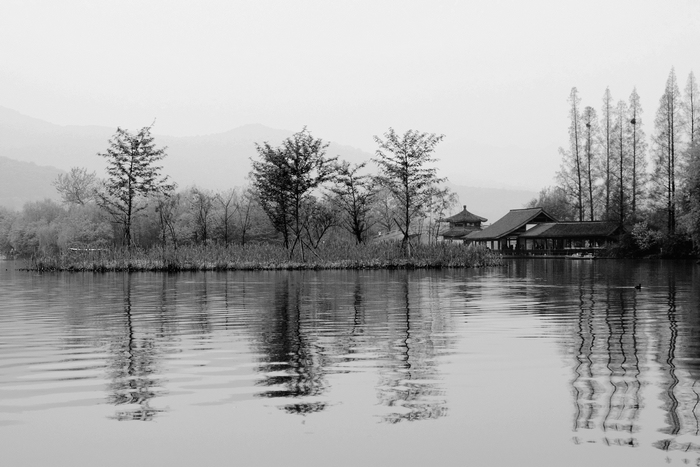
{"points": [[214, 161]]}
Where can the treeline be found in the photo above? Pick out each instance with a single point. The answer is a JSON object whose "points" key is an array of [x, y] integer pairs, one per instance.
{"points": [[299, 198], [612, 171]]}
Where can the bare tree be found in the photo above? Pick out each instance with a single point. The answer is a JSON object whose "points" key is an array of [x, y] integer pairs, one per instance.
{"points": [[227, 202], [77, 186], [201, 205], [354, 193], [571, 173], [442, 199], [245, 208], [384, 209], [691, 109], [167, 208]]}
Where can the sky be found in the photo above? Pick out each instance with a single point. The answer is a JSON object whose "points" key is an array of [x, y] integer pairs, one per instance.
{"points": [[494, 73]]}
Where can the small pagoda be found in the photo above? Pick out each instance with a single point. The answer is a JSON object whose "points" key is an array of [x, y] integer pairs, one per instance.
{"points": [[461, 225]]}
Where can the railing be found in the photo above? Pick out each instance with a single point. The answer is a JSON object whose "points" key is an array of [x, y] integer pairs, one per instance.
{"points": [[557, 253]]}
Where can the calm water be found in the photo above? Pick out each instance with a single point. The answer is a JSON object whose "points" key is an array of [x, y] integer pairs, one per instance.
{"points": [[542, 362]]}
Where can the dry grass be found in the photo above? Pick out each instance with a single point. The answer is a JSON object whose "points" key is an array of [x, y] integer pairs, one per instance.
{"points": [[331, 255]]}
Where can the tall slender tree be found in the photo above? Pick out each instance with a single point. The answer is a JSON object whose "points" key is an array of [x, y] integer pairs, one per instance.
{"points": [[668, 126], [638, 146], [607, 118], [621, 161], [591, 129], [691, 109], [571, 173]]}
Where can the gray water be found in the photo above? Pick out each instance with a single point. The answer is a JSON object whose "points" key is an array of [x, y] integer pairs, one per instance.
{"points": [[541, 362]]}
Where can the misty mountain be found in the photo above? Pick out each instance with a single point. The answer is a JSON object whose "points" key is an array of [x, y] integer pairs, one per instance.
{"points": [[216, 161], [22, 182]]}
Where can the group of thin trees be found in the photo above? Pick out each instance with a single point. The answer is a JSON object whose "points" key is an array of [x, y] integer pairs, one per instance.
{"points": [[604, 173], [306, 193], [298, 197]]}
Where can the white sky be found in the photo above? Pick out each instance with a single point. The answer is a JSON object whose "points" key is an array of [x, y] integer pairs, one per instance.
{"points": [[493, 72]]}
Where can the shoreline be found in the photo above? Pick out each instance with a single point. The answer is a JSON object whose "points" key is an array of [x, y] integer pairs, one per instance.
{"points": [[388, 256]]}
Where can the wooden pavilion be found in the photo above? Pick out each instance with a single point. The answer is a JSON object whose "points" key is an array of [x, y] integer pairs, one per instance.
{"points": [[533, 231], [461, 225]]}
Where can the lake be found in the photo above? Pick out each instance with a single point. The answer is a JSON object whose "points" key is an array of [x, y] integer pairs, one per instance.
{"points": [[539, 362]]}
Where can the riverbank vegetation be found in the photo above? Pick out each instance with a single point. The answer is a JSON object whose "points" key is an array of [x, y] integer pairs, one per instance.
{"points": [[611, 171], [260, 256]]}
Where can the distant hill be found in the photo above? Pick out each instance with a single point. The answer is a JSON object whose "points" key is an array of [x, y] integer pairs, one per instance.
{"points": [[216, 161], [21, 182], [491, 203]]}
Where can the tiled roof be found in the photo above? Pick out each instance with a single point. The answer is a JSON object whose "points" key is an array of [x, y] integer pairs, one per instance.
{"points": [[465, 216], [457, 232], [572, 230], [514, 220]]}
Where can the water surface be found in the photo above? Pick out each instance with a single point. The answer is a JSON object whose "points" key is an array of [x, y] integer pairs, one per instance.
{"points": [[541, 362]]}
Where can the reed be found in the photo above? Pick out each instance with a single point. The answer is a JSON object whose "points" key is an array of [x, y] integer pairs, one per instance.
{"points": [[262, 256]]}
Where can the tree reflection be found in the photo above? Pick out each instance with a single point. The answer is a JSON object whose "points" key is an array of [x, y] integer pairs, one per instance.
{"points": [[630, 352], [406, 381], [294, 364], [132, 368]]}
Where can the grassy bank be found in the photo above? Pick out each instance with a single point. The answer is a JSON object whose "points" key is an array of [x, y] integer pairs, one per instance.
{"points": [[269, 257]]}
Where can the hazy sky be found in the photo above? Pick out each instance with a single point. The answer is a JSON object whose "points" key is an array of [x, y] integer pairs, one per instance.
{"points": [[494, 72]]}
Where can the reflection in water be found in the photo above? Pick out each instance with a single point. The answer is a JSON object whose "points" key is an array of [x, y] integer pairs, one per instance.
{"points": [[310, 332], [132, 366], [455, 348], [293, 358], [628, 354], [607, 382], [407, 379]]}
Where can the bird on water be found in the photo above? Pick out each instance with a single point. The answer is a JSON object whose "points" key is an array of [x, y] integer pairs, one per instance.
{"points": [[638, 286]]}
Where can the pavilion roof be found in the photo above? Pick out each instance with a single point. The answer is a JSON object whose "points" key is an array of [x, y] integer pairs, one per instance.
{"points": [[465, 216], [512, 221]]}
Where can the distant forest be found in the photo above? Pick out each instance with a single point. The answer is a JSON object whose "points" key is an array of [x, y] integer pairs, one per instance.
{"points": [[299, 197]]}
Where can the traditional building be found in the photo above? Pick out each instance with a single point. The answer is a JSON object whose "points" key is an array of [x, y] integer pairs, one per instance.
{"points": [[461, 225], [533, 231], [503, 234], [571, 237]]}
